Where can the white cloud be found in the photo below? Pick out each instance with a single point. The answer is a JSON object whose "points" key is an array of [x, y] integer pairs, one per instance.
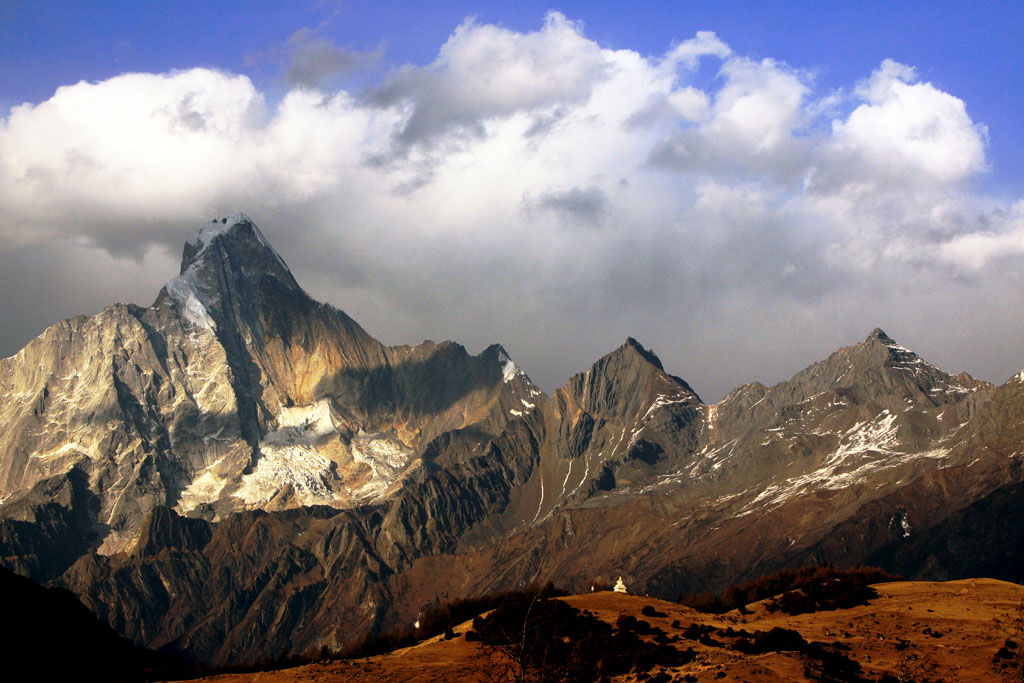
{"points": [[485, 71], [973, 251], [704, 44], [910, 129], [760, 106], [690, 103], [131, 146], [540, 190]]}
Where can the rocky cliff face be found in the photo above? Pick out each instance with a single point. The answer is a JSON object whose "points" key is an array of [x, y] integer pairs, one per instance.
{"points": [[239, 470], [234, 391]]}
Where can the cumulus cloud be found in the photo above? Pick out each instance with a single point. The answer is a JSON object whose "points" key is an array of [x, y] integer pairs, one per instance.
{"points": [[131, 148], [538, 189], [752, 126], [704, 44], [485, 72], [909, 129]]}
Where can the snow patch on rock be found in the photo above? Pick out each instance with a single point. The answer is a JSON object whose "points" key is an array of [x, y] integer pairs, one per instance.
{"points": [[186, 290], [509, 370], [299, 465], [206, 488], [877, 434], [302, 424], [387, 458], [288, 455]]}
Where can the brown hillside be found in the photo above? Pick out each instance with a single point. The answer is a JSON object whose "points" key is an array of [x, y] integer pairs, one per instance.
{"points": [[914, 631]]}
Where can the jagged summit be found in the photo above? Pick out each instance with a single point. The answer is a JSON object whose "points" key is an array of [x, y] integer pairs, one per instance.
{"points": [[878, 368], [238, 229], [878, 338], [631, 356], [882, 348], [648, 355], [623, 379], [225, 266], [509, 369], [879, 333]]}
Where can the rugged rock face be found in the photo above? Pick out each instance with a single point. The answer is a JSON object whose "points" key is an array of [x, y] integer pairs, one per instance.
{"points": [[238, 470], [234, 391]]}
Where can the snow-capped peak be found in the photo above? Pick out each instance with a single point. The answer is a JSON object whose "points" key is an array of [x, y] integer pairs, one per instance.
{"points": [[196, 289], [222, 226], [215, 228]]}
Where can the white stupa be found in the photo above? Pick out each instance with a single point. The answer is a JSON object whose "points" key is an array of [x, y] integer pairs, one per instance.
{"points": [[619, 586]]}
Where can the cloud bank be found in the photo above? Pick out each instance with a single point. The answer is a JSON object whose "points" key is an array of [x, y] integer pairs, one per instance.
{"points": [[543, 191]]}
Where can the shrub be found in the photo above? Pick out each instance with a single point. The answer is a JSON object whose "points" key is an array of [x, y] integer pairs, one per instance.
{"points": [[545, 639], [818, 587], [442, 620]]}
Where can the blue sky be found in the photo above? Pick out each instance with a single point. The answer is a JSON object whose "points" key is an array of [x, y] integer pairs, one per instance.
{"points": [[743, 186]]}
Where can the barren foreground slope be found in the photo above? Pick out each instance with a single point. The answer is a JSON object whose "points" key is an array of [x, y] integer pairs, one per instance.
{"points": [[917, 631]]}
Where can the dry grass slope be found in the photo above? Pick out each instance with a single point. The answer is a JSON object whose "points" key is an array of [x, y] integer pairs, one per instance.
{"points": [[969, 630]]}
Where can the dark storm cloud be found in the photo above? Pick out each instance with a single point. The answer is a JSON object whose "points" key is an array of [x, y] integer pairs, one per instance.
{"points": [[312, 60], [582, 206]]}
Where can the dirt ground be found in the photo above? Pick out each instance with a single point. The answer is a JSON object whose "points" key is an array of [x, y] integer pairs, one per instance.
{"points": [[914, 630]]}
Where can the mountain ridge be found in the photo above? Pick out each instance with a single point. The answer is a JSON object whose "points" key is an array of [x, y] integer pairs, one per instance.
{"points": [[238, 437]]}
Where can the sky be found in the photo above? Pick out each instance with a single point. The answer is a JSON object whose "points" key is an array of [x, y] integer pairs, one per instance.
{"points": [[743, 187]]}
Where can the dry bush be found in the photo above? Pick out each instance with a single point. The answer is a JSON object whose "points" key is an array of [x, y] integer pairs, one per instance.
{"points": [[442, 619], [816, 587], [540, 639]]}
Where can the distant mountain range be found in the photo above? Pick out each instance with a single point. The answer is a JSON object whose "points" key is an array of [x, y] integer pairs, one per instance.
{"points": [[239, 471]]}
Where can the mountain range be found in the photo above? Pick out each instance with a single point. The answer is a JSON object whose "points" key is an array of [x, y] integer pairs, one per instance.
{"points": [[239, 471]]}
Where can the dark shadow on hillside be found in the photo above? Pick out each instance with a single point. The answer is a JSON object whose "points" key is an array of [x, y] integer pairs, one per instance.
{"points": [[64, 527], [974, 541], [48, 632], [417, 388]]}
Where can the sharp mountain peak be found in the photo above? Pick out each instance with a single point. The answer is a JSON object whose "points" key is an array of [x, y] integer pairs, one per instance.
{"points": [[229, 260], [239, 230], [878, 333], [883, 349], [879, 337], [629, 365], [632, 345], [234, 246]]}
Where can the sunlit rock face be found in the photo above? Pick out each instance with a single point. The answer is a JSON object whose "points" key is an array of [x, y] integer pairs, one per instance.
{"points": [[239, 440], [233, 391]]}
